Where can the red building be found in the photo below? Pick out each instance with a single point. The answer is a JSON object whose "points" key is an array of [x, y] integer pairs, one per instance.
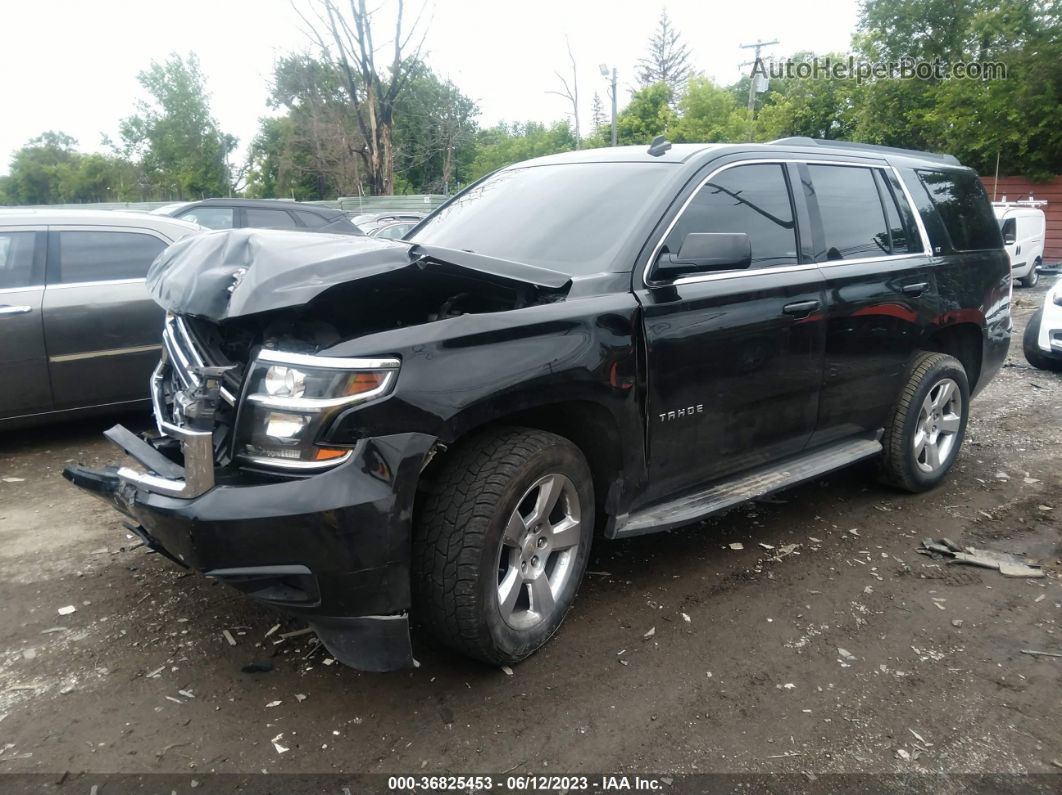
{"points": [[1014, 188]]}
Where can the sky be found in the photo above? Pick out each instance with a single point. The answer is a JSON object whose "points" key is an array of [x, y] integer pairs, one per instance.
{"points": [[71, 65]]}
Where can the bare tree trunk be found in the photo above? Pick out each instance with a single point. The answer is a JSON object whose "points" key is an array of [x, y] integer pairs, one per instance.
{"points": [[571, 93]]}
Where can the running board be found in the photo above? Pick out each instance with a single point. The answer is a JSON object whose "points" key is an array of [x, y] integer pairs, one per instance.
{"points": [[745, 487]]}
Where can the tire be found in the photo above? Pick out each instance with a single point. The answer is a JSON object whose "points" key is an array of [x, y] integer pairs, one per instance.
{"points": [[927, 424], [1033, 355], [1034, 275], [478, 539]]}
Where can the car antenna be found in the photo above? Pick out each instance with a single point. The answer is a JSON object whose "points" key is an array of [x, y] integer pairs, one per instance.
{"points": [[659, 145]]}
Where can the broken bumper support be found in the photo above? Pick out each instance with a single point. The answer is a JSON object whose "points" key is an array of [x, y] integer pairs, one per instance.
{"points": [[332, 548]]}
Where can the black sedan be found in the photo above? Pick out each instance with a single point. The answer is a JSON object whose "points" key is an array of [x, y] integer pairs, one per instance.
{"points": [[261, 214]]}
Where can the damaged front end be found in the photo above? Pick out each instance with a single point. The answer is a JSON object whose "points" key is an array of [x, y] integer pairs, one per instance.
{"points": [[246, 480]]}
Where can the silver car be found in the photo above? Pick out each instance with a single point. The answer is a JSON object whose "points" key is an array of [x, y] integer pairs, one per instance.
{"points": [[78, 332]]}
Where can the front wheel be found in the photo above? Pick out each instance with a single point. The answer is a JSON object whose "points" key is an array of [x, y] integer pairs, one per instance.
{"points": [[501, 543], [928, 422], [1031, 345]]}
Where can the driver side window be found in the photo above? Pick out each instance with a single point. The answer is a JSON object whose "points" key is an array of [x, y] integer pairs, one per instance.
{"points": [[753, 199]]}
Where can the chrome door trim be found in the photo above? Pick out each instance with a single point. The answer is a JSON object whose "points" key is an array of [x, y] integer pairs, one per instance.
{"points": [[706, 277], [69, 285], [73, 357], [9, 309]]}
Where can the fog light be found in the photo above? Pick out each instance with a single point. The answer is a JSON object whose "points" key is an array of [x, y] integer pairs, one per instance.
{"points": [[284, 426]]}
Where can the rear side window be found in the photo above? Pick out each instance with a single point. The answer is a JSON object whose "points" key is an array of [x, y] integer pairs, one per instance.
{"points": [[312, 220], [210, 217], [16, 258], [101, 256], [751, 199], [853, 221], [269, 219], [902, 230], [963, 207]]}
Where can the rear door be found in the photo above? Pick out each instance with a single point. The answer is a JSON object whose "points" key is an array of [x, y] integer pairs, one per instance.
{"points": [[734, 357], [269, 218], [101, 329], [881, 290], [24, 387]]}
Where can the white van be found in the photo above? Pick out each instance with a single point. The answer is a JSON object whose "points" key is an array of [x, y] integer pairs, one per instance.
{"points": [[1023, 226]]}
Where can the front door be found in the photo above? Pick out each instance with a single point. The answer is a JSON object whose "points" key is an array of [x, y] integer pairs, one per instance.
{"points": [[24, 387], [734, 356]]}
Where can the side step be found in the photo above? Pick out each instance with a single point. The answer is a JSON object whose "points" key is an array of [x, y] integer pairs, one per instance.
{"points": [[745, 487]]}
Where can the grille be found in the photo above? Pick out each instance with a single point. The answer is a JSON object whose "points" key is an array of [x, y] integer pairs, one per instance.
{"points": [[186, 356]]}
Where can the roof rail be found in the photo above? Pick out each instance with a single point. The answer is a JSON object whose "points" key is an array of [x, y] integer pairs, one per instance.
{"points": [[801, 140]]}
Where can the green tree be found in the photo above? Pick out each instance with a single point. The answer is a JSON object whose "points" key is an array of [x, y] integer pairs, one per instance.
{"points": [[822, 107], [510, 143], [174, 136], [708, 113], [646, 116]]}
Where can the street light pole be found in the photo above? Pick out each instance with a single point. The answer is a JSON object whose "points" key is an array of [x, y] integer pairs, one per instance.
{"points": [[612, 90]]}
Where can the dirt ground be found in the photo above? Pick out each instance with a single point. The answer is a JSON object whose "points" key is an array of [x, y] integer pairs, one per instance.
{"points": [[681, 655]]}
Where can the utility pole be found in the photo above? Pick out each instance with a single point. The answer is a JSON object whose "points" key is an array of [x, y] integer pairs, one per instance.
{"points": [[759, 45], [612, 92]]}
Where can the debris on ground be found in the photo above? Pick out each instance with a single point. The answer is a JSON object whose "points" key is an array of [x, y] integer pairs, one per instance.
{"points": [[1006, 564], [65, 611], [1035, 653], [281, 749], [507, 670], [257, 667], [296, 633], [650, 633], [228, 637], [737, 546]]}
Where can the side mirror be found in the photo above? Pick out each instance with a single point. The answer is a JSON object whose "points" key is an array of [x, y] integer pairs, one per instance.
{"points": [[1009, 238], [707, 251]]}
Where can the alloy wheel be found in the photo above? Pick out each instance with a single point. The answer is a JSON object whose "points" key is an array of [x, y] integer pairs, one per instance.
{"points": [[538, 551], [939, 421]]}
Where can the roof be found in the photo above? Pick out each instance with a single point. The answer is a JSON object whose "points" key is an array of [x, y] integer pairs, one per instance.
{"points": [[20, 216], [678, 153], [683, 153], [268, 204]]}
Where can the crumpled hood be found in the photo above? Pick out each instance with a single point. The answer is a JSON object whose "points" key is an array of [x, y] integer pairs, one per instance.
{"points": [[237, 272]]}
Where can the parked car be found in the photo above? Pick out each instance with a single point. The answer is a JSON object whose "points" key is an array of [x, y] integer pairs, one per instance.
{"points": [[1023, 227], [389, 226], [1042, 342], [361, 431], [264, 214], [78, 331]]}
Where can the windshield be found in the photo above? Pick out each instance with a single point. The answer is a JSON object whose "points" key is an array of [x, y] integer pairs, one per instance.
{"points": [[570, 218]]}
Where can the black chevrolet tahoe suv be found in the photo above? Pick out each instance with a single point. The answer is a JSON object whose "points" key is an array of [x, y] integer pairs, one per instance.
{"points": [[360, 431]]}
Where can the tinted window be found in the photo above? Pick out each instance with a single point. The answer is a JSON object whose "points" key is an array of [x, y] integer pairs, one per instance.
{"points": [[95, 256], [210, 217], [902, 230], [963, 206], [572, 217], [749, 199], [852, 218], [394, 231], [269, 219], [310, 219], [1009, 229], [16, 258]]}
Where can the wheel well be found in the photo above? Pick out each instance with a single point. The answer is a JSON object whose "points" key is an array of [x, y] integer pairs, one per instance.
{"points": [[963, 341], [588, 426]]}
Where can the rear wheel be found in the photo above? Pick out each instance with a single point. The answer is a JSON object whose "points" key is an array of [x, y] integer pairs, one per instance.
{"points": [[1034, 275], [928, 422], [501, 543], [1033, 355]]}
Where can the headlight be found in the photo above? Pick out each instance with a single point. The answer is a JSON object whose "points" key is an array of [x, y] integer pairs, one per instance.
{"points": [[291, 397]]}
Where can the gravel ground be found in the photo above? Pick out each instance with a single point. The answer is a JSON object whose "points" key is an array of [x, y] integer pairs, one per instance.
{"points": [[852, 653]]}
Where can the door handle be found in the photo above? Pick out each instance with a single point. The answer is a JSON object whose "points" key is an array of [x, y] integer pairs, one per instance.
{"points": [[9, 309], [800, 308], [915, 289], [1017, 251]]}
